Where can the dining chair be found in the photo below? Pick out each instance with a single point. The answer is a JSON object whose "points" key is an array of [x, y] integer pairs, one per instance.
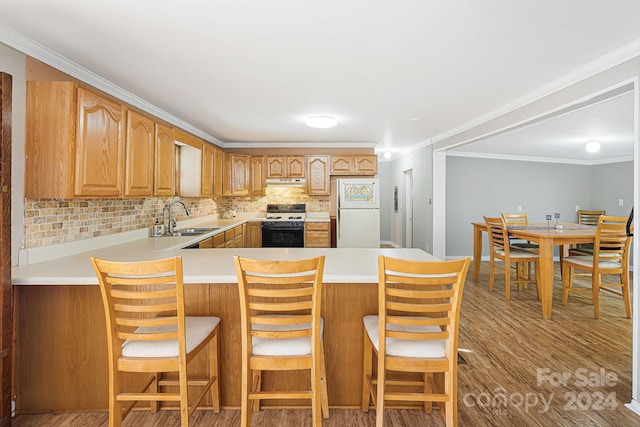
{"points": [[501, 250], [610, 257], [416, 330], [586, 217], [149, 333], [521, 219], [281, 330]]}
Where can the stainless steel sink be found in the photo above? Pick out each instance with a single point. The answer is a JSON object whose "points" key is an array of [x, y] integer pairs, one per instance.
{"points": [[193, 231]]}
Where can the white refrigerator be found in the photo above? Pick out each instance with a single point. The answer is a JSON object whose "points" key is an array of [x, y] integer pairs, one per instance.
{"points": [[358, 213]]}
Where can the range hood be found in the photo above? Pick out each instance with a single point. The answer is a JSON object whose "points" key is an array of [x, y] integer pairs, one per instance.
{"points": [[286, 182]]}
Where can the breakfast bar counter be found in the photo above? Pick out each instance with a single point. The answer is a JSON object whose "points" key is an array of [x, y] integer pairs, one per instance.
{"points": [[61, 354]]}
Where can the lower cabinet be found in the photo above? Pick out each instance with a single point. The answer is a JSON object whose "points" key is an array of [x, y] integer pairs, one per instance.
{"points": [[206, 243], [238, 236], [317, 235], [253, 238], [218, 240]]}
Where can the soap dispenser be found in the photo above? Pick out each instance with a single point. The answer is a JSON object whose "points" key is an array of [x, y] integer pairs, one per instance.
{"points": [[157, 229]]}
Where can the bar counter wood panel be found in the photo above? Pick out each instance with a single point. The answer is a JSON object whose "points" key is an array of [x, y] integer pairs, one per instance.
{"points": [[62, 354]]}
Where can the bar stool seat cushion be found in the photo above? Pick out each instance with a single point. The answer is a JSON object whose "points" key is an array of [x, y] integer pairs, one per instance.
{"points": [[197, 328], [299, 346], [426, 349]]}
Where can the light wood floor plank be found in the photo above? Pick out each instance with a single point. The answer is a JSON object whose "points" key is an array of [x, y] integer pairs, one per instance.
{"points": [[504, 344]]}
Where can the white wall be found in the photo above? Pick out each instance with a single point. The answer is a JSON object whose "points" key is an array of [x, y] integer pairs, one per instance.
{"points": [[609, 184], [477, 187], [386, 199], [13, 62], [420, 162]]}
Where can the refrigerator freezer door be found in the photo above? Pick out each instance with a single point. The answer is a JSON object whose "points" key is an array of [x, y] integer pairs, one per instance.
{"points": [[358, 228], [358, 194]]}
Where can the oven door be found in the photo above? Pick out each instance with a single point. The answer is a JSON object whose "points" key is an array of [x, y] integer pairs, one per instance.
{"points": [[275, 236]]}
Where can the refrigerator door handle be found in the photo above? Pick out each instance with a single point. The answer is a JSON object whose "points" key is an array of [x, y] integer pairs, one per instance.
{"points": [[338, 224]]}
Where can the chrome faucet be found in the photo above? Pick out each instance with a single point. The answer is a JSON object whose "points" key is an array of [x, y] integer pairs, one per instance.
{"points": [[172, 222]]}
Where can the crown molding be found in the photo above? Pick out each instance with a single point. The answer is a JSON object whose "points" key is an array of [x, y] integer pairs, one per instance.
{"points": [[22, 43], [451, 153], [603, 63], [290, 144]]}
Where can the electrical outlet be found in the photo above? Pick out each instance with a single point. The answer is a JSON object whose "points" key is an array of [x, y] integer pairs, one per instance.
{"points": [[620, 202], [427, 247], [577, 208], [519, 208]]}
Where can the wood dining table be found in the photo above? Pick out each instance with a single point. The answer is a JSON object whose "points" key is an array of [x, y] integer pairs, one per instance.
{"points": [[546, 236]]}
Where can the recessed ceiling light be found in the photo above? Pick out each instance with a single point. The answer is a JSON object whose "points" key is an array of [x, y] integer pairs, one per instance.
{"points": [[387, 154], [321, 122], [592, 146], [415, 119]]}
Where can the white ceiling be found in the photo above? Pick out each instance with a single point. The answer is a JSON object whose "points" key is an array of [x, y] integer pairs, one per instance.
{"points": [[563, 138], [395, 74]]}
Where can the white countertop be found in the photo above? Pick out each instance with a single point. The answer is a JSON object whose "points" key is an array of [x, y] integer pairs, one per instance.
{"points": [[199, 265], [210, 265]]}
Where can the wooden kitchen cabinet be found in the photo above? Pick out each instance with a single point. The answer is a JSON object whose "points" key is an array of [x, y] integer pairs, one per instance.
{"points": [[257, 176], [236, 174], [229, 239], [253, 234], [206, 243], [317, 235], [74, 142], [238, 236], [285, 166], [365, 164], [318, 175], [341, 165], [218, 172], [99, 145], [360, 164], [219, 241], [165, 161], [206, 186], [139, 155]]}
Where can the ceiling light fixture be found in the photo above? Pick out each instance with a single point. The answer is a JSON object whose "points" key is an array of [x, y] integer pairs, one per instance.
{"points": [[592, 146], [387, 154], [321, 122]]}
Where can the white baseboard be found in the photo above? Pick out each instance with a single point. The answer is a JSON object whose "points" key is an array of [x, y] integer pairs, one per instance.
{"points": [[634, 406]]}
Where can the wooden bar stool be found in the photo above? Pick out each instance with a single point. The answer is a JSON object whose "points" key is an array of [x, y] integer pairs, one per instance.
{"points": [[148, 332], [280, 303], [416, 330]]}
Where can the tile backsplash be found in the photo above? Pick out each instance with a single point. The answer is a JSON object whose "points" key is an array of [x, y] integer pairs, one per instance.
{"points": [[53, 221]]}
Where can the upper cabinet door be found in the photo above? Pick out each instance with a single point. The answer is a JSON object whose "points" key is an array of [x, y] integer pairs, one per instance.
{"points": [[256, 174], [218, 172], [139, 155], [207, 169], [366, 164], [99, 156], [239, 174], [341, 165], [165, 161], [295, 166], [318, 175], [276, 167]]}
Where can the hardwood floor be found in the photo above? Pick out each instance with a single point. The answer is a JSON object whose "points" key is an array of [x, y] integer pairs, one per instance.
{"points": [[519, 370]]}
